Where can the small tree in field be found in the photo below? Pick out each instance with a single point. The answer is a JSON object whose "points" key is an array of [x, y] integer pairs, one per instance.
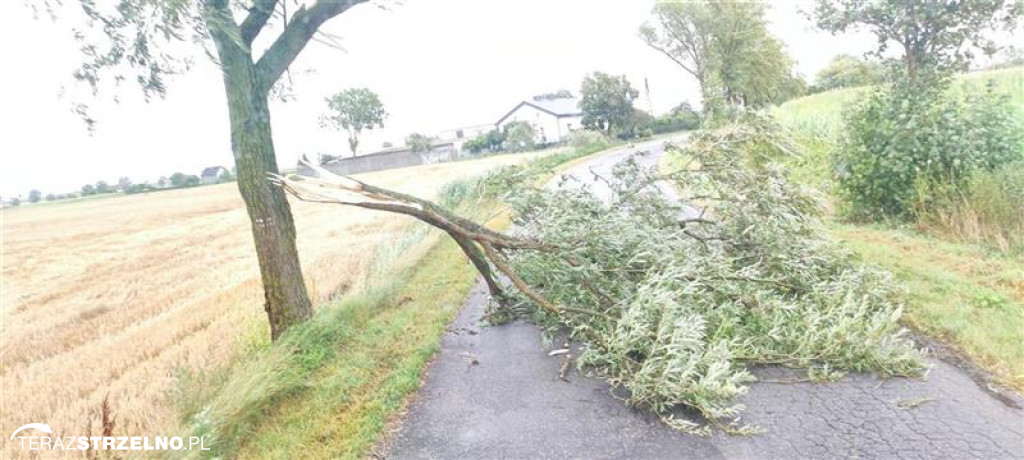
{"points": [[354, 110], [142, 42], [607, 102], [34, 196]]}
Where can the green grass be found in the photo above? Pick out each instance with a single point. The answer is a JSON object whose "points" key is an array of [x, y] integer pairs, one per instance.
{"points": [[384, 343], [964, 294], [822, 113]]}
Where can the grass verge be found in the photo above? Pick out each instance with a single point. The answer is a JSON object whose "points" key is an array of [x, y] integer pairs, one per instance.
{"points": [[965, 295], [329, 387], [386, 342]]}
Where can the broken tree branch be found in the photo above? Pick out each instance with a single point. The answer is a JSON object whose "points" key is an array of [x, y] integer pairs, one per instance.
{"points": [[481, 245]]}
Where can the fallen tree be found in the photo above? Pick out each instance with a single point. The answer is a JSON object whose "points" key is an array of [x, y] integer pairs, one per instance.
{"points": [[673, 309]]}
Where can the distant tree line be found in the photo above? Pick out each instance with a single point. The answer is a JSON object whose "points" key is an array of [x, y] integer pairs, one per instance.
{"points": [[124, 185]]}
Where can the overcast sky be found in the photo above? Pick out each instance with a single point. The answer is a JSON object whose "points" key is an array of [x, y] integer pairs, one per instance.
{"points": [[436, 64]]}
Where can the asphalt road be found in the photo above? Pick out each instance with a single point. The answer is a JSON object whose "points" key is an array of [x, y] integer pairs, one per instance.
{"points": [[493, 392]]}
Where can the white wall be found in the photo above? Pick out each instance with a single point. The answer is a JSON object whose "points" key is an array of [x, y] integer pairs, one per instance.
{"points": [[548, 127], [570, 124]]}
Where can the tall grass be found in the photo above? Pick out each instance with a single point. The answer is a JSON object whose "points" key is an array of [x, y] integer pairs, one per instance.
{"points": [[990, 209]]}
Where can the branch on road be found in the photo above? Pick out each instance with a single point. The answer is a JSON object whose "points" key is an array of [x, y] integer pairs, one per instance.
{"points": [[481, 245]]}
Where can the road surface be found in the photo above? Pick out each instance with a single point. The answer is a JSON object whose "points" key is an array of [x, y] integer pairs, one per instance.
{"points": [[511, 404]]}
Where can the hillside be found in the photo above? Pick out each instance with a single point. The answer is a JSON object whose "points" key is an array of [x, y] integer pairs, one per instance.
{"points": [[822, 112]]}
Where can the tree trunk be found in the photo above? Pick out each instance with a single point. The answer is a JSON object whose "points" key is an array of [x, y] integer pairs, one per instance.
{"points": [[353, 142], [273, 229]]}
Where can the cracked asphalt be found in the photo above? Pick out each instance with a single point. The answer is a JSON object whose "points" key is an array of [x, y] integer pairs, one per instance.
{"points": [[511, 403]]}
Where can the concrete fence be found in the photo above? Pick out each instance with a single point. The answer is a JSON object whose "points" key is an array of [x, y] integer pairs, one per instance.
{"points": [[388, 159]]}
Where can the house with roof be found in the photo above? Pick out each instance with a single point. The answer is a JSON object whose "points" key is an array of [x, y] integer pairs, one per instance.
{"points": [[212, 174], [552, 118]]}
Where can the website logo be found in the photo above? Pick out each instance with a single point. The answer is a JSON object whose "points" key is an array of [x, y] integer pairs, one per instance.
{"points": [[65, 443]]}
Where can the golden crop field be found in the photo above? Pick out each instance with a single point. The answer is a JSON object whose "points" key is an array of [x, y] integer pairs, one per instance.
{"points": [[115, 296]]}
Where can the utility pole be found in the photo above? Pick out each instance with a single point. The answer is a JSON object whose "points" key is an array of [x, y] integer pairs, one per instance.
{"points": [[647, 91]]}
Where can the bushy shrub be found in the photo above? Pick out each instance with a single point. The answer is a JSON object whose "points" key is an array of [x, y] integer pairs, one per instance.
{"points": [[637, 126], [519, 137], [587, 140], [898, 146], [491, 142], [683, 121]]}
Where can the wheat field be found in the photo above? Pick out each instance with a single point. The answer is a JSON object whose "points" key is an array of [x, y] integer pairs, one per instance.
{"points": [[116, 296]]}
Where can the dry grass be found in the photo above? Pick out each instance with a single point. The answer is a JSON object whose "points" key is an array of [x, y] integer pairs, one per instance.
{"points": [[115, 297]]}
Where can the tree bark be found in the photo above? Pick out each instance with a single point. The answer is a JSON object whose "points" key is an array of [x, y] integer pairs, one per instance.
{"points": [[479, 261], [286, 301], [353, 143]]}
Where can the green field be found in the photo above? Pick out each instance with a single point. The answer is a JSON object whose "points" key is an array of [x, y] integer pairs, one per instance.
{"points": [[969, 296], [822, 113]]}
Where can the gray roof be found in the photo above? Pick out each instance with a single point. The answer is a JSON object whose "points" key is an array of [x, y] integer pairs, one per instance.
{"points": [[561, 107]]}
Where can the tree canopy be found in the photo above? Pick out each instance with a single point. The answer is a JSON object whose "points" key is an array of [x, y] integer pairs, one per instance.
{"points": [[354, 110], [845, 71], [671, 304], [419, 142], [727, 48], [607, 102], [560, 94], [683, 32], [936, 37]]}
